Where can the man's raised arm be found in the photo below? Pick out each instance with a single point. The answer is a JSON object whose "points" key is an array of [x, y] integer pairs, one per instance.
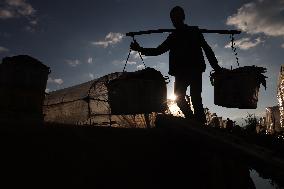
{"points": [[164, 47], [210, 54]]}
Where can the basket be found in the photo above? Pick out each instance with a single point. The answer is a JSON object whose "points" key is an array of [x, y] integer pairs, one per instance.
{"points": [[138, 92], [235, 89]]}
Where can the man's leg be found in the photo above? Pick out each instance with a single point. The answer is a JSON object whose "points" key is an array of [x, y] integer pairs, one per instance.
{"points": [[180, 87], [196, 99]]}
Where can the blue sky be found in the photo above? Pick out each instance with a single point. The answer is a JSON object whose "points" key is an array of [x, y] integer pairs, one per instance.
{"points": [[83, 40]]}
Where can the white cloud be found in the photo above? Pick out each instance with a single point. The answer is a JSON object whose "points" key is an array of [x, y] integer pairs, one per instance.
{"points": [[215, 46], [130, 62], [47, 90], [110, 39], [140, 67], [16, 8], [136, 55], [90, 60], [260, 16], [30, 28], [5, 14], [220, 60], [3, 49], [101, 43], [246, 43], [73, 63], [33, 22], [58, 81], [92, 76], [19, 8], [118, 62]]}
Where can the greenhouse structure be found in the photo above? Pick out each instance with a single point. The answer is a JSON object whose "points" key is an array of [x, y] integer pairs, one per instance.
{"points": [[121, 99]]}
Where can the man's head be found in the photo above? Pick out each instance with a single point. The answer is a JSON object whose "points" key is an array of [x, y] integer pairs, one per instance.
{"points": [[177, 16]]}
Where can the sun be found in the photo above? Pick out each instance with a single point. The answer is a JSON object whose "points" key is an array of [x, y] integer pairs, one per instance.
{"points": [[174, 109], [173, 97]]}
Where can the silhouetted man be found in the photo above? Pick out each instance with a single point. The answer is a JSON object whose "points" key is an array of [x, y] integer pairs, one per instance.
{"points": [[186, 62]]}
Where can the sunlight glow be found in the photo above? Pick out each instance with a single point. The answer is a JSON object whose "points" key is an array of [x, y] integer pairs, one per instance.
{"points": [[173, 97], [174, 109]]}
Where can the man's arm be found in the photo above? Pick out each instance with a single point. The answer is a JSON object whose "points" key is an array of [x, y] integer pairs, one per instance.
{"points": [[209, 54], [164, 47]]}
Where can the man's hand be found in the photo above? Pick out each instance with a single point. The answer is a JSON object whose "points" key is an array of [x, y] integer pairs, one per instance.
{"points": [[135, 46]]}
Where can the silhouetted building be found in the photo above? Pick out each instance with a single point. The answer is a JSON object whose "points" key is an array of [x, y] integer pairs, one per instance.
{"points": [[272, 120], [280, 95], [261, 125], [22, 89]]}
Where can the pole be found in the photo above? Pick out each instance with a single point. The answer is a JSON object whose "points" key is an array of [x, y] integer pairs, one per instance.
{"points": [[171, 30]]}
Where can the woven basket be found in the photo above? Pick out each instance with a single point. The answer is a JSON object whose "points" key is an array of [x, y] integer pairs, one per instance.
{"points": [[235, 90]]}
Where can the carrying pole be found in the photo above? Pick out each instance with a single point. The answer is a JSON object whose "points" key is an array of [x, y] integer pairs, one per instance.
{"points": [[132, 34]]}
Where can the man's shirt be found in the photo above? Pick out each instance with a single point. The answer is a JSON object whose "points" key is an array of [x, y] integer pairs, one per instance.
{"points": [[185, 46]]}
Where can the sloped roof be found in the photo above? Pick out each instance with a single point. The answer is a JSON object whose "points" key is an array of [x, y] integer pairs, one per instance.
{"points": [[23, 60], [77, 92]]}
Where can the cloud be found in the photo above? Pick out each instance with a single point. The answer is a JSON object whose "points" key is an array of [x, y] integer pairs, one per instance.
{"points": [[5, 14], [110, 39], [246, 43], [130, 62], [92, 76], [118, 62], [47, 90], [282, 45], [136, 55], [220, 60], [58, 81], [90, 60], [140, 67], [34, 22], [73, 63], [15, 8], [260, 16], [32, 27], [3, 49]]}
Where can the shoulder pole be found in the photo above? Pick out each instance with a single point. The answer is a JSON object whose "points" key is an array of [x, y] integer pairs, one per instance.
{"points": [[131, 34]]}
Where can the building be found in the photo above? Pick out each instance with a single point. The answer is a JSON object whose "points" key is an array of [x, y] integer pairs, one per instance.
{"points": [[272, 120], [280, 95], [22, 89]]}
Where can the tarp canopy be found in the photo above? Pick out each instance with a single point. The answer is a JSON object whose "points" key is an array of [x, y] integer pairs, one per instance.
{"points": [[89, 103]]}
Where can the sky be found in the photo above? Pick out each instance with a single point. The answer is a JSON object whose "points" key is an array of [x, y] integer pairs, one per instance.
{"points": [[84, 40]]}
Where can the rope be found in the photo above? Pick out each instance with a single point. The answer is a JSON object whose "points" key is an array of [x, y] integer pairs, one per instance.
{"points": [[142, 59], [129, 56], [126, 60], [234, 49]]}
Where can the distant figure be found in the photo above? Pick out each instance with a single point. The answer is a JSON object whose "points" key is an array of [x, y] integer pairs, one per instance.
{"points": [[186, 62], [214, 121], [229, 124]]}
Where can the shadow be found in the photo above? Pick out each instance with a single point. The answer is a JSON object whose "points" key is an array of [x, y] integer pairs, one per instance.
{"points": [[104, 157]]}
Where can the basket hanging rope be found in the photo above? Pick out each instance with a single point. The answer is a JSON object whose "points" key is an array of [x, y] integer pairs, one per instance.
{"points": [[238, 88], [129, 56]]}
